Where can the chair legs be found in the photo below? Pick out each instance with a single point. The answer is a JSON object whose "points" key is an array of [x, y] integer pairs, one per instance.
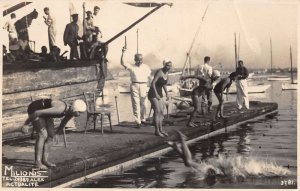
{"points": [[101, 123], [109, 118], [95, 120], [87, 120]]}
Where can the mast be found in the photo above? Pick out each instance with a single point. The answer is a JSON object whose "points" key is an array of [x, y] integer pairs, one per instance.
{"points": [[271, 56], [235, 52], [188, 54], [291, 64]]}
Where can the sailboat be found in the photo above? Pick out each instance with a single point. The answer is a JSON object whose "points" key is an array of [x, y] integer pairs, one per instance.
{"points": [[257, 88], [275, 77], [186, 87], [293, 84]]}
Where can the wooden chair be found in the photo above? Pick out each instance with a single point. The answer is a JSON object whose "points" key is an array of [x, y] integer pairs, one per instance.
{"points": [[96, 107], [46, 96]]}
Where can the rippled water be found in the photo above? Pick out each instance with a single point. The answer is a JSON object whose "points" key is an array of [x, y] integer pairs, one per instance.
{"points": [[258, 154]]}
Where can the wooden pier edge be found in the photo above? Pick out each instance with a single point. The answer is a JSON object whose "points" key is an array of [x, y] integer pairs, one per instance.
{"points": [[126, 163]]}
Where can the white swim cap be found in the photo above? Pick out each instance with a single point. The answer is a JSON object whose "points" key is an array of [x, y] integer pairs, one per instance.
{"points": [[166, 61], [216, 73], [79, 105]]}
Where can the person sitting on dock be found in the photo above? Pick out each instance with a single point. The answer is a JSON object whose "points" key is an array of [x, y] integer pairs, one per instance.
{"points": [[219, 89], [200, 91], [71, 37], [40, 114], [155, 96]]}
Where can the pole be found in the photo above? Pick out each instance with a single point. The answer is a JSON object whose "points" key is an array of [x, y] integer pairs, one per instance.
{"points": [[135, 23], [235, 52], [271, 56], [116, 100], [291, 64], [137, 41], [193, 42]]}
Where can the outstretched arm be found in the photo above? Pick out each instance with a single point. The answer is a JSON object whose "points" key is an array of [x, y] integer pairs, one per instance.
{"points": [[63, 123], [122, 55]]}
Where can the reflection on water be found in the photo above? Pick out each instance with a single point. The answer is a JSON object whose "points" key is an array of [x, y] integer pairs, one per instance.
{"points": [[258, 154]]}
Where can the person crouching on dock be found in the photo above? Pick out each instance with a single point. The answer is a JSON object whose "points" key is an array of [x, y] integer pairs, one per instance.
{"points": [[155, 96], [40, 114], [219, 89], [200, 91]]}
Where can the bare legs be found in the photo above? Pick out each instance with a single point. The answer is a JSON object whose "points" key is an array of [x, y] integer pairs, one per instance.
{"points": [[196, 102], [220, 106], [184, 151], [45, 130], [158, 107]]}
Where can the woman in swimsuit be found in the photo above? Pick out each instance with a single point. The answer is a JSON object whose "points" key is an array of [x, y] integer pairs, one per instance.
{"points": [[155, 96], [41, 113]]}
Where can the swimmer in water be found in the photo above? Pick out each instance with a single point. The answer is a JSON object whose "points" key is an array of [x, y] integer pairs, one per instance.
{"points": [[185, 153]]}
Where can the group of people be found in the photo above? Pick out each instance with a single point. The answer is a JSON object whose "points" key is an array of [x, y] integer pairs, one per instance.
{"points": [[88, 47], [140, 75]]}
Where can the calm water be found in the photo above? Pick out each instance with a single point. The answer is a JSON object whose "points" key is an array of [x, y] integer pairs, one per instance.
{"points": [[259, 154]]}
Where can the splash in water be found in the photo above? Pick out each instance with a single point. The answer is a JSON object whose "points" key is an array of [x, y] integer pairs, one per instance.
{"points": [[238, 166]]}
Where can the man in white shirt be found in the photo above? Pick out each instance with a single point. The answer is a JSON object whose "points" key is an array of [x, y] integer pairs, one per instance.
{"points": [[140, 75], [97, 20], [205, 70]]}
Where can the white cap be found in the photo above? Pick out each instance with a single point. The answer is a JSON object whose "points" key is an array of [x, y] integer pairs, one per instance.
{"points": [[79, 105], [166, 61], [216, 73]]}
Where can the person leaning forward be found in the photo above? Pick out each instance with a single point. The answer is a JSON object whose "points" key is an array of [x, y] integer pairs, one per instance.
{"points": [[41, 114], [140, 75], [71, 37]]}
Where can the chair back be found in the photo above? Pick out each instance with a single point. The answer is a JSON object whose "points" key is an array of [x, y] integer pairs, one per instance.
{"points": [[91, 99]]}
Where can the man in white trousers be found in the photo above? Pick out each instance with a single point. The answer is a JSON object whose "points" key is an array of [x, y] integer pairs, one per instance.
{"points": [[242, 86], [140, 75]]}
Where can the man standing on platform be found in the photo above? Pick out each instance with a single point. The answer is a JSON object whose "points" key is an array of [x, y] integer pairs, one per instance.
{"points": [[71, 37], [50, 22], [242, 86], [140, 75], [205, 70]]}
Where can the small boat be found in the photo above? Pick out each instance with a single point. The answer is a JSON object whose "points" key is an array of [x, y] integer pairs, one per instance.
{"points": [[289, 86], [293, 85], [275, 77], [251, 89], [278, 78]]}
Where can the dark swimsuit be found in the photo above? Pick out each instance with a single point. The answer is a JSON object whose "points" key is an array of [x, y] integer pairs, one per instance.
{"points": [[159, 86], [218, 88], [48, 122], [45, 104]]}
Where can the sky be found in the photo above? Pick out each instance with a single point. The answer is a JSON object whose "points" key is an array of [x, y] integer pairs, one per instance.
{"points": [[169, 32]]}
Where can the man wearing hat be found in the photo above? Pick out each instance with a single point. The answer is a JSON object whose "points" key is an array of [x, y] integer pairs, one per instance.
{"points": [[96, 19], [71, 37], [140, 75]]}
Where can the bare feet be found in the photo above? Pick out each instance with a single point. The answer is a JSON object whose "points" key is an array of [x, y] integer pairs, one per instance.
{"points": [[49, 164], [192, 124], [181, 135], [159, 134], [164, 133], [40, 166]]}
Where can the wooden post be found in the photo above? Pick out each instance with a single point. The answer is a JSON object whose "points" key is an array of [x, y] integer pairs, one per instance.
{"points": [[291, 64], [116, 100], [271, 56], [235, 52]]}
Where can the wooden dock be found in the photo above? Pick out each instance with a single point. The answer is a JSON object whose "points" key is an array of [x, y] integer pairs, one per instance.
{"points": [[93, 152]]}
